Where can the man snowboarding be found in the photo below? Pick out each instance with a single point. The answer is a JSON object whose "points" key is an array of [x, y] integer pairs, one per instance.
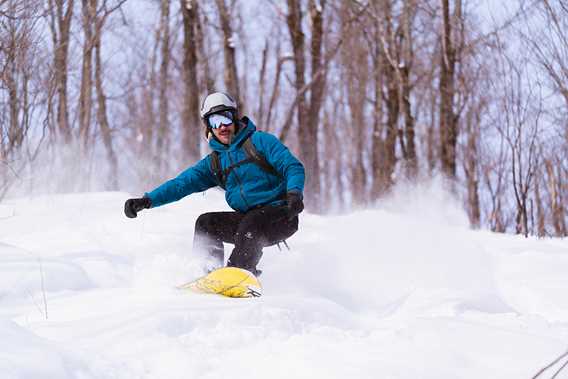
{"points": [[263, 183]]}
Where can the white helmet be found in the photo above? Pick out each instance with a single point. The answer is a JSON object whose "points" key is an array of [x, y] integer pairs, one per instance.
{"points": [[217, 102]]}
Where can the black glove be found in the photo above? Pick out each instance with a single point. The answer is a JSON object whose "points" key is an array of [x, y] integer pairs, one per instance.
{"points": [[133, 206], [295, 204]]}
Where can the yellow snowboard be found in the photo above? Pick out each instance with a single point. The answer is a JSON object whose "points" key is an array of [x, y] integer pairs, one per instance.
{"points": [[227, 281]]}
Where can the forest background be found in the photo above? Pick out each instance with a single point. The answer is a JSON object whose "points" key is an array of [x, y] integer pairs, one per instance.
{"points": [[371, 95]]}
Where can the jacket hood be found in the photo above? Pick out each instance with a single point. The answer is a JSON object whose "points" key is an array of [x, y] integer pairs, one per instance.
{"points": [[246, 129]]}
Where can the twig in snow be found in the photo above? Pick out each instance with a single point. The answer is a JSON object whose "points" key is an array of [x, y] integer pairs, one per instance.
{"points": [[43, 289], [29, 293], [552, 364], [560, 369]]}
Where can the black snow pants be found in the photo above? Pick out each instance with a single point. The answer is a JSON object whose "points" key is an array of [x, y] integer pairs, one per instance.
{"points": [[249, 232]]}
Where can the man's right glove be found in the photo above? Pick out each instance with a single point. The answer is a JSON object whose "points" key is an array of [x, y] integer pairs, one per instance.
{"points": [[133, 206], [295, 203]]}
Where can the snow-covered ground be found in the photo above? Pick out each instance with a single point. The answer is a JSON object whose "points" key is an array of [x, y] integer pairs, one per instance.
{"points": [[402, 291]]}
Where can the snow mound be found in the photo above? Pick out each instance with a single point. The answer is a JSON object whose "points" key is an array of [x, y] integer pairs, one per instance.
{"points": [[24, 275]]}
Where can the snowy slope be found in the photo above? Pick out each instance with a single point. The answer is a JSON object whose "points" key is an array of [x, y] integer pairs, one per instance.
{"points": [[403, 291]]}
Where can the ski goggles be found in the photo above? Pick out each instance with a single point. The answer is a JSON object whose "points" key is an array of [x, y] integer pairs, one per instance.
{"points": [[217, 120]]}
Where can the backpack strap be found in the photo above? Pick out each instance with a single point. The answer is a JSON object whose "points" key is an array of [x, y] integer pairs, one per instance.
{"points": [[258, 158], [253, 156], [218, 172]]}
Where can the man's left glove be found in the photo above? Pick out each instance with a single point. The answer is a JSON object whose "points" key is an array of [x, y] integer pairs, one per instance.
{"points": [[133, 206], [295, 203]]}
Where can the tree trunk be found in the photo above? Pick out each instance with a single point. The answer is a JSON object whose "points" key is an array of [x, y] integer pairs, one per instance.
{"points": [[555, 190], [209, 83], [102, 118], [448, 119], [307, 138], [495, 218], [330, 150], [294, 19], [379, 187], [431, 135], [359, 178], [10, 79], [190, 123], [471, 170], [354, 59], [520, 187], [334, 189], [163, 110], [262, 82], [392, 98], [64, 15], [275, 88], [540, 216], [231, 76], [85, 92], [405, 69], [316, 97]]}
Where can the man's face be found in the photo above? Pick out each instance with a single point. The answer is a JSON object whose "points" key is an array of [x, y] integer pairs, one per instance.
{"points": [[222, 126], [225, 133]]}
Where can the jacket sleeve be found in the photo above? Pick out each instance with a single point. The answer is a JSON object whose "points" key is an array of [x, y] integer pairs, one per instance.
{"points": [[280, 157], [197, 178]]}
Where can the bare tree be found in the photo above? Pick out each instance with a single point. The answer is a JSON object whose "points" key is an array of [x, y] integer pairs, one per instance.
{"points": [[355, 64], [520, 130], [60, 16], [546, 37], [557, 190], [262, 80], [308, 113], [275, 86], [387, 90], [102, 116], [474, 83], [551, 47], [89, 10], [316, 11], [540, 213], [471, 166], [190, 112], [21, 90], [405, 68], [381, 180], [432, 156], [231, 74], [448, 117], [163, 103], [208, 82], [494, 169]]}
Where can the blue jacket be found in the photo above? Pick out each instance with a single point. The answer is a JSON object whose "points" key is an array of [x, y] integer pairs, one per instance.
{"points": [[247, 185]]}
